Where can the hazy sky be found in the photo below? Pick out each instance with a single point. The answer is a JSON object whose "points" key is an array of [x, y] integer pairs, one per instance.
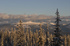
{"points": [[47, 7]]}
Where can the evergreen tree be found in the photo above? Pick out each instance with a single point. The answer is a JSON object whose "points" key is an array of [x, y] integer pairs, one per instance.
{"points": [[30, 38], [47, 36], [36, 37], [42, 37], [27, 36], [57, 41], [68, 40], [2, 39], [14, 39], [20, 26], [65, 41]]}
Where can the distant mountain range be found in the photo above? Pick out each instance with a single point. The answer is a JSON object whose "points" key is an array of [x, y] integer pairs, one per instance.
{"points": [[33, 16], [8, 20]]}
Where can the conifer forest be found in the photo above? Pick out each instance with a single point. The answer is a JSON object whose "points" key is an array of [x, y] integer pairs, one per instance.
{"points": [[41, 37]]}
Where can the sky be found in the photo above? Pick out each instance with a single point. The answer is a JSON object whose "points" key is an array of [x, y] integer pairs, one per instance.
{"points": [[46, 7]]}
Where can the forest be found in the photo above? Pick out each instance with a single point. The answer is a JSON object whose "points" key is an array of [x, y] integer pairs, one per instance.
{"points": [[20, 37], [41, 37]]}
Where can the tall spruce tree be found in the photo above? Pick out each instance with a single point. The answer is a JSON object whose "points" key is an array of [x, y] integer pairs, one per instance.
{"points": [[57, 41]]}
